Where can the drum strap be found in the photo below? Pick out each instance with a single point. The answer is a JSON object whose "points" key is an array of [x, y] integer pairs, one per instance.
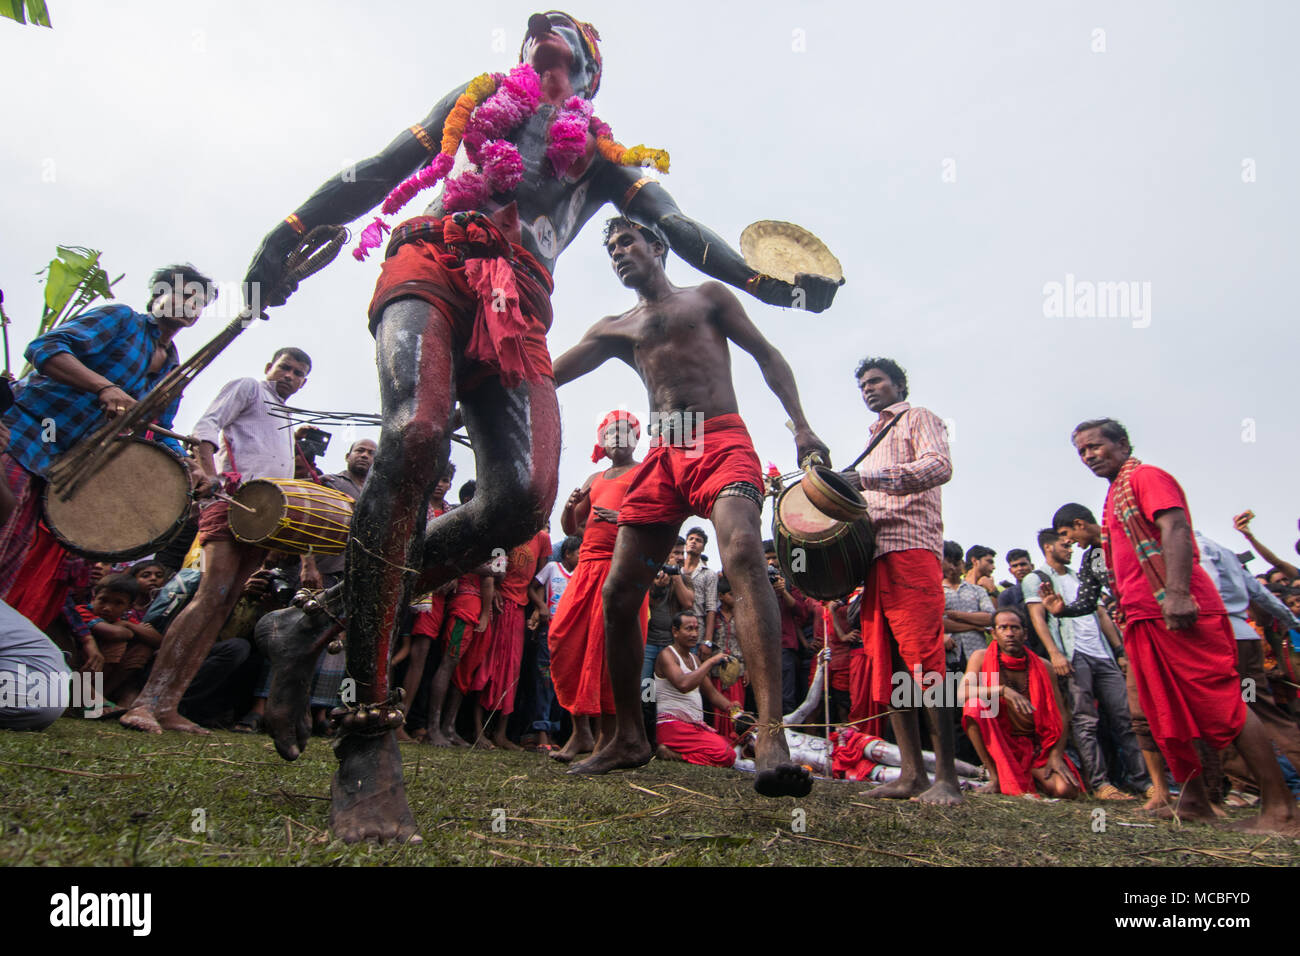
{"points": [[880, 436]]}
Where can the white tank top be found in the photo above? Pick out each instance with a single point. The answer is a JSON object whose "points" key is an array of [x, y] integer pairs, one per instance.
{"points": [[671, 703]]}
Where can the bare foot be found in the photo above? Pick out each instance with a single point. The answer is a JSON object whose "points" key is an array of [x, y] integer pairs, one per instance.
{"points": [[1186, 812], [505, 743], [482, 743], [1158, 799], [620, 754], [900, 789], [141, 718], [403, 737], [437, 738], [663, 753], [1276, 824], [991, 787], [367, 797], [291, 640], [942, 793], [578, 743], [456, 739], [776, 775]]}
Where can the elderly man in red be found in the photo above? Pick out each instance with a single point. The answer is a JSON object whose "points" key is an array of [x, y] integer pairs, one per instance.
{"points": [[902, 605], [1177, 636], [1013, 715]]}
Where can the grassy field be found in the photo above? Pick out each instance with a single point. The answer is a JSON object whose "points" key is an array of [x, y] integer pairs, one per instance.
{"points": [[91, 793]]}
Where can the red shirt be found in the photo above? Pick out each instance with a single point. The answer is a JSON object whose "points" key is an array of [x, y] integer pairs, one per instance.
{"points": [[522, 565], [1154, 490], [793, 619]]}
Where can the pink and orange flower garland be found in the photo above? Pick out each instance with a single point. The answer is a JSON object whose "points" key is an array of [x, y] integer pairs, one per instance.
{"points": [[494, 106]]}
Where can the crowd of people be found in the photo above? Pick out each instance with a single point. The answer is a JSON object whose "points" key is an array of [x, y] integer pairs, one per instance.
{"points": [[1160, 664]]}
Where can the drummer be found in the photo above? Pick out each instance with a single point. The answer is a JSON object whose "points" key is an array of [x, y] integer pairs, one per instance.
{"points": [[239, 440], [701, 461], [903, 603], [99, 362]]}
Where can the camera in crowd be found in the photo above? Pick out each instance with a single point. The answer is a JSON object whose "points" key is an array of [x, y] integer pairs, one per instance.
{"points": [[279, 587], [670, 569], [313, 441], [773, 573]]}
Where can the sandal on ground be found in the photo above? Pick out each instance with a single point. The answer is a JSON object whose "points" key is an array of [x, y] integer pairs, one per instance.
{"points": [[1108, 791], [250, 723]]}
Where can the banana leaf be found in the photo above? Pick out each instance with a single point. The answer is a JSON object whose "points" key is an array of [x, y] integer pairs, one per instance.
{"points": [[35, 10]]}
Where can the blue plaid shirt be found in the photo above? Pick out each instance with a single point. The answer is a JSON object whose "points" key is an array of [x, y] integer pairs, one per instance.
{"points": [[48, 417]]}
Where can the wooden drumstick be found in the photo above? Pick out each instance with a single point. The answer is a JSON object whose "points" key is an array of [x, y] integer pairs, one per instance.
{"points": [[168, 433], [229, 500]]}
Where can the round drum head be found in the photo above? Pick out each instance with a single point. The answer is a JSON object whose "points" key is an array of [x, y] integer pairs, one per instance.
{"points": [[801, 519], [268, 504], [130, 507]]}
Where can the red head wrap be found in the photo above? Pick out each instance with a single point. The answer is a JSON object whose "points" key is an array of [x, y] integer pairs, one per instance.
{"points": [[614, 417]]}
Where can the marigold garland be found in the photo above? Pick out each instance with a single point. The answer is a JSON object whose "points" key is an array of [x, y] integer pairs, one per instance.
{"points": [[493, 106]]}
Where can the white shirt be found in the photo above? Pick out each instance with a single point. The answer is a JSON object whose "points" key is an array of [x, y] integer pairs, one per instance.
{"points": [[248, 438]]}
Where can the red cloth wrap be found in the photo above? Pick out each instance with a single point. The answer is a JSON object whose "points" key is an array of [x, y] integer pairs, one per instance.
{"points": [[695, 742], [429, 623], [498, 677], [617, 415], [1188, 686], [466, 602], [577, 631], [41, 585], [675, 482], [494, 296], [901, 606], [1013, 754], [849, 760]]}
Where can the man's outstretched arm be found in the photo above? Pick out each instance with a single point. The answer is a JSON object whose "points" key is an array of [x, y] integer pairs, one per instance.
{"points": [[738, 327], [352, 193], [592, 351], [703, 248]]}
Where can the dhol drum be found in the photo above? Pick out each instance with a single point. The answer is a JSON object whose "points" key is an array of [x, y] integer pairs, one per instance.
{"points": [[133, 505], [824, 558], [284, 514]]}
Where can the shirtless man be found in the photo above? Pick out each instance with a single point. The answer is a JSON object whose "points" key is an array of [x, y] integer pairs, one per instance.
{"points": [[701, 461], [443, 334], [1015, 718]]}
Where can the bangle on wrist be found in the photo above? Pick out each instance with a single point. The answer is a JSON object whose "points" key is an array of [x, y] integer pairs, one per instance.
{"points": [[104, 389]]}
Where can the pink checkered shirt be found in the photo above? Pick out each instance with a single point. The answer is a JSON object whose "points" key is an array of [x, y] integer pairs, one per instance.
{"points": [[901, 478]]}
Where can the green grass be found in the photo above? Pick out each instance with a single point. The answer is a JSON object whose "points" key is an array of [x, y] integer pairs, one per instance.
{"points": [[133, 801]]}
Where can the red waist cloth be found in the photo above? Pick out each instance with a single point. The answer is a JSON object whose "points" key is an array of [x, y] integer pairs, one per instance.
{"points": [[902, 606], [849, 760], [41, 585], [466, 603], [677, 481], [429, 622], [493, 294], [577, 641], [721, 722], [695, 742], [1188, 685]]}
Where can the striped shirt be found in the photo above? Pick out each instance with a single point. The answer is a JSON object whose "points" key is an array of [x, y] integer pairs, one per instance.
{"points": [[901, 479]]}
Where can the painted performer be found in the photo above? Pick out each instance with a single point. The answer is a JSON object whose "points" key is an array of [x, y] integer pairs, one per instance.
{"points": [[1176, 630], [461, 313], [577, 632], [701, 461], [1014, 716]]}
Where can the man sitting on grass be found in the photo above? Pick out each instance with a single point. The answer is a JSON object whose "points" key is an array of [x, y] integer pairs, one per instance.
{"points": [[1014, 717], [679, 680]]}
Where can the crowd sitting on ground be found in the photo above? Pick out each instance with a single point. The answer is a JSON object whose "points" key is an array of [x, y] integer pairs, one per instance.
{"points": [[1068, 678]]}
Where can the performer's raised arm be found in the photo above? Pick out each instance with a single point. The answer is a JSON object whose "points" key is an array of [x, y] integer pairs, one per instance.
{"points": [[592, 351], [352, 193], [645, 200]]}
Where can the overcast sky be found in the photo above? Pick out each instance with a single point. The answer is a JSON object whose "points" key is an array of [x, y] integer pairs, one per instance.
{"points": [[957, 157]]}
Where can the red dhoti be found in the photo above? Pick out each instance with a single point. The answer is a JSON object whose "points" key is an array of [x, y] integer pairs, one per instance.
{"points": [[499, 672], [721, 722], [577, 642], [1188, 685], [695, 742], [902, 606]]}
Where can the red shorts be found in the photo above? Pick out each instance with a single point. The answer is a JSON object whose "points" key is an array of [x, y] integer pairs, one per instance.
{"points": [[420, 266], [902, 606], [675, 482]]}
